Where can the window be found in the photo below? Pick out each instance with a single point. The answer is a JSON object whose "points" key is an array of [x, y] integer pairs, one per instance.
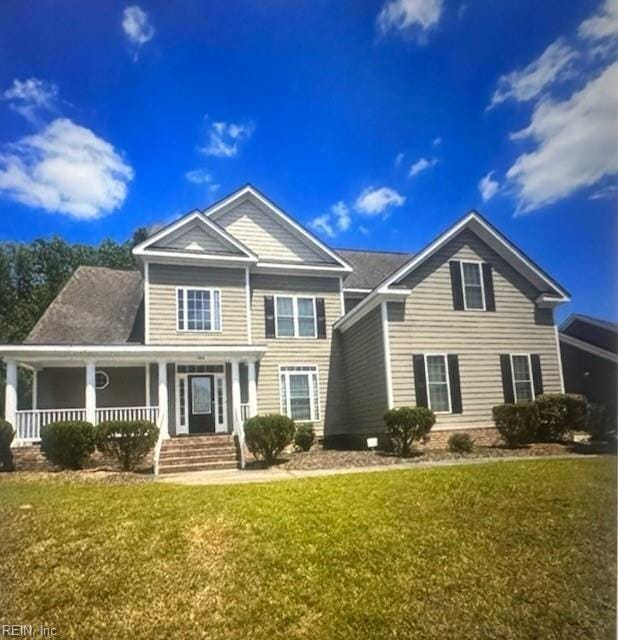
{"points": [[472, 279], [198, 309], [439, 393], [295, 317], [101, 380], [522, 378], [299, 392]]}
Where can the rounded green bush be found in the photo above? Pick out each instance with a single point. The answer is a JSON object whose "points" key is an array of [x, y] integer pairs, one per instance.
{"points": [[68, 444], [599, 424], [407, 425], [460, 443], [305, 436], [559, 413], [516, 423], [128, 441], [7, 433], [268, 435]]}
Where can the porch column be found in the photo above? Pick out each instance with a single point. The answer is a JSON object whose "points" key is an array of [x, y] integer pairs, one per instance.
{"points": [[35, 389], [163, 412], [91, 392], [252, 388], [10, 392], [236, 395]]}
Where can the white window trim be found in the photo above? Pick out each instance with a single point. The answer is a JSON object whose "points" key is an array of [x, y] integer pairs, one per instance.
{"points": [[526, 355], [463, 284], [295, 299], [212, 291], [448, 382], [315, 402]]}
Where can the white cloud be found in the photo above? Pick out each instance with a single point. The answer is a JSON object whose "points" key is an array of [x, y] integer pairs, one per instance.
{"points": [[342, 215], [437, 141], [575, 144], [31, 97], [373, 202], [399, 159], [65, 168], [421, 165], [488, 186], [224, 138], [405, 15], [363, 230], [603, 25], [323, 224], [199, 176], [526, 84], [137, 27]]}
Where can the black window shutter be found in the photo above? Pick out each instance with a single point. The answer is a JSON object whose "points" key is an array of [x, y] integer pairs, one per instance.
{"points": [[321, 317], [537, 376], [453, 375], [507, 378], [458, 301], [420, 380], [269, 316], [488, 284]]}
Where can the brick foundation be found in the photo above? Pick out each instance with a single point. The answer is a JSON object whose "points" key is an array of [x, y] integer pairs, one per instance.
{"points": [[482, 437]]}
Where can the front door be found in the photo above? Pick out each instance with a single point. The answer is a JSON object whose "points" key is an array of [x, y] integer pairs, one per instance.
{"points": [[201, 406]]}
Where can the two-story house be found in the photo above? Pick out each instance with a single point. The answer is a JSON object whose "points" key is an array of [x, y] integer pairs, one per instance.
{"points": [[240, 310]]}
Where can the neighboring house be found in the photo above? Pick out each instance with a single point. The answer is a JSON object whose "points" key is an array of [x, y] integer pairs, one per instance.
{"points": [[239, 310], [590, 360]]}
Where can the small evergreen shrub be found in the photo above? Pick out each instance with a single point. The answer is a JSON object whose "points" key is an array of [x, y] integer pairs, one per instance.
{"points": [[68, 444], [559, 413], [515, 422], [128, 441], [268, 435], [599, 424], [407, 425], [305, 436], [7, 433], [460, 443]]}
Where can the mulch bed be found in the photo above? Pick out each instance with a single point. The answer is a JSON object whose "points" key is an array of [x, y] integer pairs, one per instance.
{"points": [[84, 476], [319, 458]]}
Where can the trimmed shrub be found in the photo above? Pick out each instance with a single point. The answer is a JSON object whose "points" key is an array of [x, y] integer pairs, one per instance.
{"points": [[559, 413], [599, 424], [268, 435], [515, 422], [7, 433], [128, 441], [68, 444], [460, 443], [407, 425], [305, 436]]}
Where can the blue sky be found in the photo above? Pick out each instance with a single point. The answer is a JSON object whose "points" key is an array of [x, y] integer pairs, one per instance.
{"points": [[377, 122]]}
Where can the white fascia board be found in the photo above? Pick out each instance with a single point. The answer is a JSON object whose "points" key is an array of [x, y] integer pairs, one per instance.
{"points": [[353, 290], [177, 257], [141, 248], [218, 209], [574, 317], [305, 269], [589, 348], [548, 302], [369, 304]]}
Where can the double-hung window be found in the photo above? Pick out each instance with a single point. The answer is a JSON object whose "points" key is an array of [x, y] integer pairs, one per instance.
{"points": [[522, 378], [472, 280], [438, 387], [295, 317], [299, 392], [198, 309]]}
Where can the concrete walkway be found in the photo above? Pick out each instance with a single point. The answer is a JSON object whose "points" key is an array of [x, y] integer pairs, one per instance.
{"points": [[238, 476]]}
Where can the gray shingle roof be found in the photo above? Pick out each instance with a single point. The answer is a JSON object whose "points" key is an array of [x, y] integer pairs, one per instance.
{"points": [[96, 306], [370, 267]]}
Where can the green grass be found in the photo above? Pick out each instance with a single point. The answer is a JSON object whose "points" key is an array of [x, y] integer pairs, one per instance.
{"points": [[505, 550]]}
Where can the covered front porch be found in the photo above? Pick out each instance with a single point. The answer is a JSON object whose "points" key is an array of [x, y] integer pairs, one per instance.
{"points": [[184, 390]]}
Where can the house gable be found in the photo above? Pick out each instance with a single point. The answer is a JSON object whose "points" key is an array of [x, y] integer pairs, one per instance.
{"points": [[197, 237], [270, 233]]}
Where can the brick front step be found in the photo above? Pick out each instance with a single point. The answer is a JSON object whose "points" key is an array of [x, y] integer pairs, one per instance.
{"points": [[198, 453], [213, 452], [198, 466]]}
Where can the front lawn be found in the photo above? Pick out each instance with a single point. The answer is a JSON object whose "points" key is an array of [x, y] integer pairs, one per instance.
{"points": [[503, 550]]}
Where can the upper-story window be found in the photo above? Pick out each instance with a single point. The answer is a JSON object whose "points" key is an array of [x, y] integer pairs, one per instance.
{"points": [[295, 317], [198, 309], [472, 281]]}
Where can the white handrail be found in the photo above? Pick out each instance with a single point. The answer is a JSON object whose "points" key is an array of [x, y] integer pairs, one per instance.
{"points": [[159, 445], [240, 434]]}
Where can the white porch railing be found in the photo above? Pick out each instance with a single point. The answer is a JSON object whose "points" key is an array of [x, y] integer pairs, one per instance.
{"points": [[28, 423], [150, 414]]}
